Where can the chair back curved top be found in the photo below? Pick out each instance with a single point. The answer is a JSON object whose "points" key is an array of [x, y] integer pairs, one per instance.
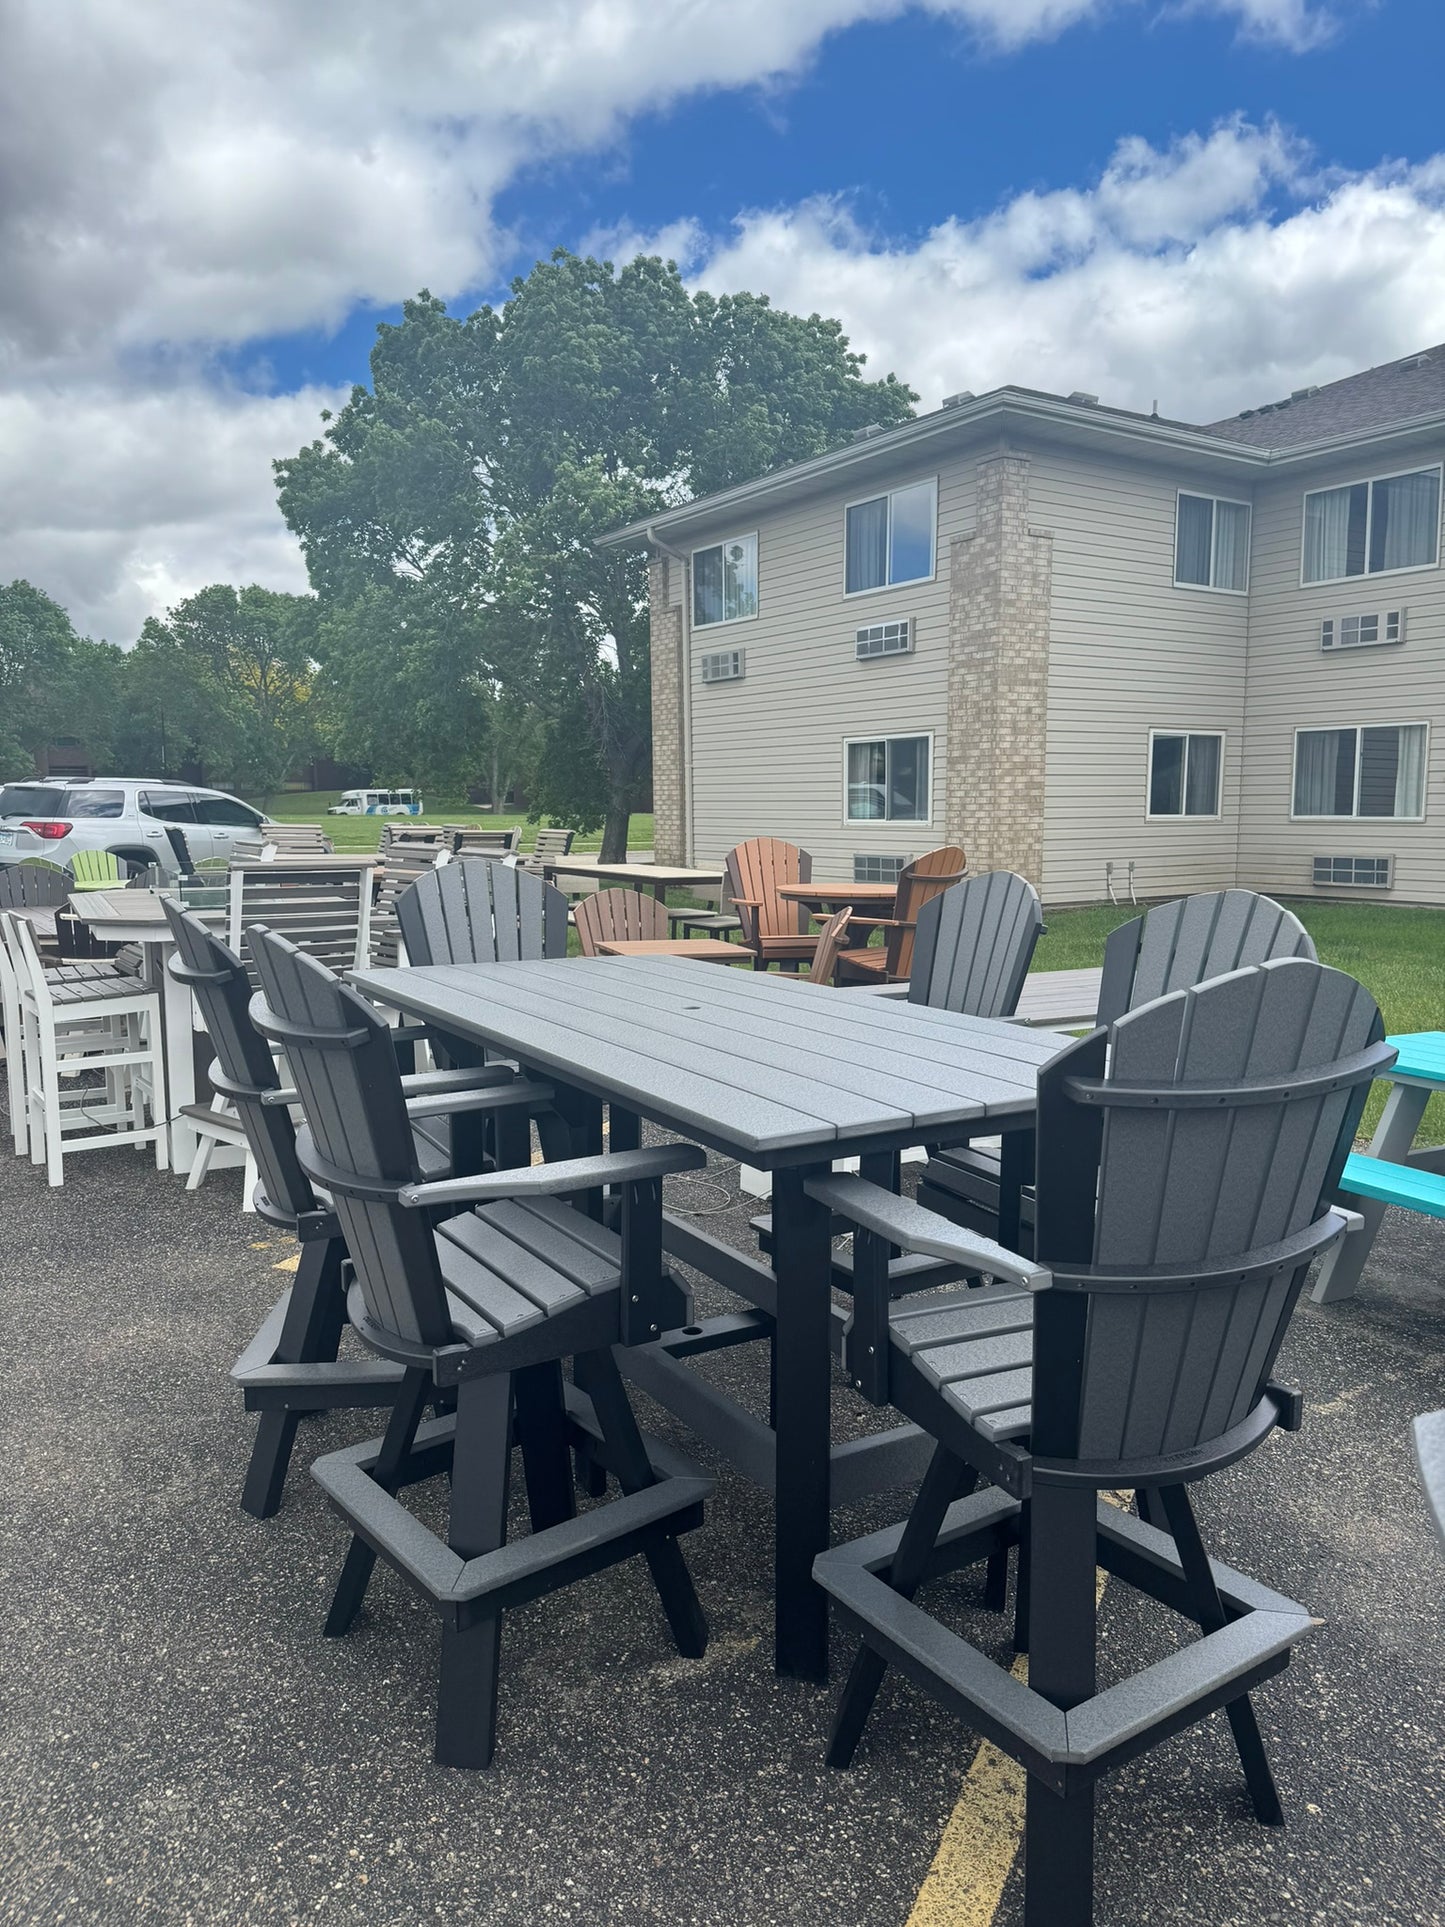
{"points": [[32, 886], [477, 911], [245, 1070], [1192, 939], [1185, 1161], [357, 1139], [974, 943], [619, 916], [754, 869]]}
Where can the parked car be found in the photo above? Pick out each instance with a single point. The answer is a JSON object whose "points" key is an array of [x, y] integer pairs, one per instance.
{"points": [[127, 815], [377, 803]]}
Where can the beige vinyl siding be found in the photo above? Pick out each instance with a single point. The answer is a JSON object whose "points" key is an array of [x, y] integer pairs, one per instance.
{"points": [[1294, 685], [1130, 653], [767, 752]]}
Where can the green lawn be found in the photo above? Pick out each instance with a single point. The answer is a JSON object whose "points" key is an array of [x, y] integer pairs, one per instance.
{"points": [[1396, 953], [362, 833]]}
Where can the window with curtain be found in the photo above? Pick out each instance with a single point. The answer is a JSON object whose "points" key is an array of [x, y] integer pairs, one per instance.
{"points": [[890, 538], [1374, 771], [725, 581], [888, 780], [1367, 528], [1184, 773], [1211, 543]]}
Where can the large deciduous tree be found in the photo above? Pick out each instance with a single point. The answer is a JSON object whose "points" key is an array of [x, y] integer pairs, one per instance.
{"points": [[53, 683], [449, 512]]}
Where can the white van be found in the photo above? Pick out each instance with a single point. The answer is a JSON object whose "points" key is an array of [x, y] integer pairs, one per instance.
{"points": [[377, 803]]}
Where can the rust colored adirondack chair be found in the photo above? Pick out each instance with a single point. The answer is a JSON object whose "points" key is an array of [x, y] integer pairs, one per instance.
{"points": [[831, 939], [926, 877], [619, 916], [775, 930]]}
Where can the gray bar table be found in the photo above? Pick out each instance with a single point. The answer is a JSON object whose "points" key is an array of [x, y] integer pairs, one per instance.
{"points": [[787, 1077]]}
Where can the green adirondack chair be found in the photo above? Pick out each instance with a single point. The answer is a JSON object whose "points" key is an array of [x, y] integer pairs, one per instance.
{"points": [[98, 870]]}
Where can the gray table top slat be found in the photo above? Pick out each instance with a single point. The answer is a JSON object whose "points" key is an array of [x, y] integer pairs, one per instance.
{"points": [[560, 1017], [804, 1055]]}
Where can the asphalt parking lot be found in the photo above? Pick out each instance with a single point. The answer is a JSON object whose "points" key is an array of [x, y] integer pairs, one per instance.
{"points": [[181, 1746]]}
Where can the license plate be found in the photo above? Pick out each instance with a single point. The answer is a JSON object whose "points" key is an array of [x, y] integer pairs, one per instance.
{"points": [[7, 839]]}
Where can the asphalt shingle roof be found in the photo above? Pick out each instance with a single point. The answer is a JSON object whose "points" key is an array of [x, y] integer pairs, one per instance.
{"points": [[1397, 391]]}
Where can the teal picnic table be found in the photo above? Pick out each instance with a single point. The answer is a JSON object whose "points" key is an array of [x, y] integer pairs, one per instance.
{"points": [[1392, 1171]]}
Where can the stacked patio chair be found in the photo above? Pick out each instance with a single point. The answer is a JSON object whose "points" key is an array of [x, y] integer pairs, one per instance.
{"points": [[919, 882], [1184, 1158], [413, 838], [470, 840], [775, 930], [63, 1028], [619, 916], [296, 839], [482, 1309], [401, 866], [550, 847], [1170, 947], [290, 1367], [324, 909]]}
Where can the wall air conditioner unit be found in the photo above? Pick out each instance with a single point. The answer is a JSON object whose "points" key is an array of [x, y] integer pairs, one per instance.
{"points": [[883, 639], [1375, 630], [723, 665], [878, 869], [1354, 872]]}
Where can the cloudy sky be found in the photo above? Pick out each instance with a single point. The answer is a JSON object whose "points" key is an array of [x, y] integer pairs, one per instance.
{"points": [[204, 211]]}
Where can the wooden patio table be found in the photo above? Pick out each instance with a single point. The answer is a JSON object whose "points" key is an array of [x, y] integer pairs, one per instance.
{"points": [[788, 1077], [877, 897], [698, 949], [657, 877]]}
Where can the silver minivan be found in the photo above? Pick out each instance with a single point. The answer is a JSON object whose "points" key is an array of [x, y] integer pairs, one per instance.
{"points": [[129, 816]]}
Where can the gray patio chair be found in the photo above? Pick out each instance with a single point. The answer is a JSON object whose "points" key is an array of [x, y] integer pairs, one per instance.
{"points": [[476, 911], [290, 1367], [1185, 1156], [482, 1309], [1169, 948]]}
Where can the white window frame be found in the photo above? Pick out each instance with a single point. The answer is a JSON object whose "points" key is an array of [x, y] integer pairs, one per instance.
{"points": [[1182, 816], [1368, 574], [723, 622], [914, 581], [1312, 729], [888, 823], [1211, 587]]}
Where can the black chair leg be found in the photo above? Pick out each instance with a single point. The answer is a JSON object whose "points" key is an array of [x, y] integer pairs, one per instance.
{"points": [[946, 1479], [466, 1729], [1209, 1611], [542, 1435], [310, 1332], [1149, 1508], [411, 1400], [995, 1584], [1021, 1590], [627, 1455], [1061, 1538]]}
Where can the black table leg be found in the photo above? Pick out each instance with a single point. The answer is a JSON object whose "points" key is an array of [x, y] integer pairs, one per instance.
{"points": [[802, 1255], [1015, 1170]]}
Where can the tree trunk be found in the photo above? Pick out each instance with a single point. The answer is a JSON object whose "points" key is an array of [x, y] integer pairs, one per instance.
{"points": [[614, 833]]}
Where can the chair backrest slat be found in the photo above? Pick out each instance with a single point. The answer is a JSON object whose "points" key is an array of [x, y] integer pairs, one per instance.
{"points": [[754, 870], [831, 939], [975, 942], [1186, 942], [619, 916], [340, 1053], [1173, 1360], [481, 912]]}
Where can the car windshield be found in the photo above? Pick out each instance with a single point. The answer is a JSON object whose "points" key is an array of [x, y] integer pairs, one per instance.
{"points": [[30, 799], [95, 803]]}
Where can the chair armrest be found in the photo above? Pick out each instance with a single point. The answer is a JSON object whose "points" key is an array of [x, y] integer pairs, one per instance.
{"points": [[430, 1084], [557, 1180], [885, 923], [518, 1092], [908, 1225]]}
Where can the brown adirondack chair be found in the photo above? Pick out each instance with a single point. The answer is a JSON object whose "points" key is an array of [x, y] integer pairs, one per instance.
{"points": [[928, 876], [831, 939], [775, 930], [619, 916]]}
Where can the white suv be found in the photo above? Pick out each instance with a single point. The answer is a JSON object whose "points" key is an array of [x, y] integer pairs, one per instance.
{"points": [[129, 816]]}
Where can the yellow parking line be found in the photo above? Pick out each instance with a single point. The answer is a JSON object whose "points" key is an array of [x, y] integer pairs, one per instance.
{"points": [[965, 1883]]}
